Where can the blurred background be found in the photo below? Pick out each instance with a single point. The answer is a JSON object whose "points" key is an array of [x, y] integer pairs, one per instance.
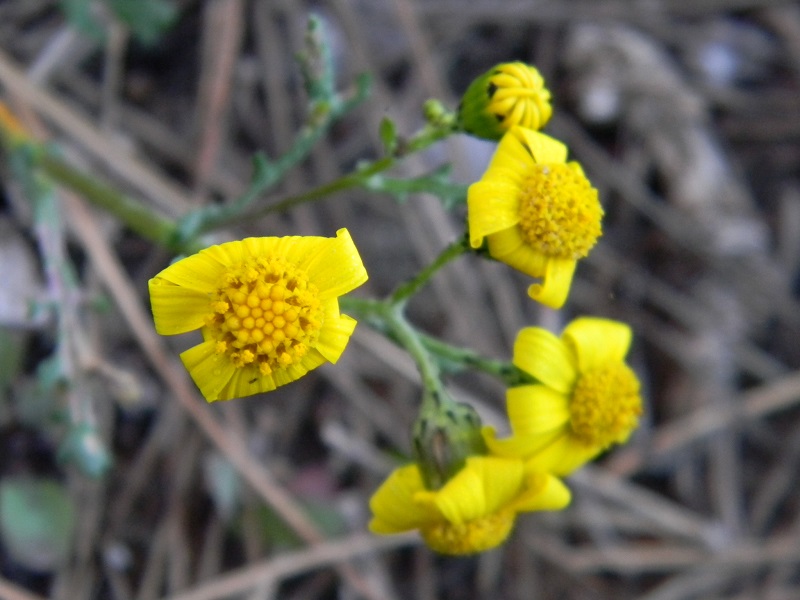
{"points": [[118, 482]]}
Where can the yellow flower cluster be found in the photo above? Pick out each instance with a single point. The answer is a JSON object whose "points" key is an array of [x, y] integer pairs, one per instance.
{"points": [[268, 311], [538, 213], [586, 400]]}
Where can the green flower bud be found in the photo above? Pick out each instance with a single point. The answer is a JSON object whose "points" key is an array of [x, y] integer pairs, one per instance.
{"points": [[436, 114], [444, 436], [508, 94]]}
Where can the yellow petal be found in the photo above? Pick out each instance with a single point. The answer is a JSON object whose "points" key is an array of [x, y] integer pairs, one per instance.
{"points": [[210, 371], [492, 207], [177, 309], [501, 105], [336, 268], [509, 247], [543, 148], [230, 254], [536, 409], [502, 479], [392, 505], [282, 377], [333, 265], [517, 113], [460, 500], [562, 456], [576, 166], [482, 487], [246, 381], [543, 491], [512, 153], [295, 249], [557, 279], [544, 356], [516, 446], [309, 362], [334, 334], [597, 342], [200, 272]]}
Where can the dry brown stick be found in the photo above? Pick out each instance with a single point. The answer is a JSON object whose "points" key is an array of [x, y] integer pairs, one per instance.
{"points": [[635, 559], [419, 47], [295, 563], [669, 516], [222, 32], [166, 194], [113, 71], [153, 570], [111, 271]]}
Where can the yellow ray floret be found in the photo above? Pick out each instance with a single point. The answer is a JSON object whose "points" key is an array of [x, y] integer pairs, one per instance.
{"points": [[267, 307], [473, 512], [587, 398], [539, 213]]}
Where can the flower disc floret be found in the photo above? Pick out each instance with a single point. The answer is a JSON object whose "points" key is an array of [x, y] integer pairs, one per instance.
{"points": [[559, 213], [605, 405], [265, 313], [471, 537]]}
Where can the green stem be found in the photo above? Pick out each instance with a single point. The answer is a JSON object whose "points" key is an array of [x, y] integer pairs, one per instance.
{"points": [[134, 215], [345, 182], [408, 289], [388, 318], [455, 358], [427, 136]]}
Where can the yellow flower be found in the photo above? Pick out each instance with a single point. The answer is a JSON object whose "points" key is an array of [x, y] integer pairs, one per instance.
{"points": [[587, 398], [539, 212], [474, 511], [267, 307], [508, 94]]}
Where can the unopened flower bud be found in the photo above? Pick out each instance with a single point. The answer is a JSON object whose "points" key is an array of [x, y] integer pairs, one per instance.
{"points": [[444, 438], [506, 95]]}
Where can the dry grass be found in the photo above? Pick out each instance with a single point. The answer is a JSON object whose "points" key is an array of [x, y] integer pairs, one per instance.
{"points": [[684, 114]]}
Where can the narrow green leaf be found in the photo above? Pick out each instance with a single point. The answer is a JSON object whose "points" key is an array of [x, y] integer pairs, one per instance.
{"points": [[388, 134]]}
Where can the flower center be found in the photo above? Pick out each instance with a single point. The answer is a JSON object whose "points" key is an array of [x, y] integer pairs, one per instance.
{"points": [[605, 405], [559, 211], [471, 537], [265, 313]]}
